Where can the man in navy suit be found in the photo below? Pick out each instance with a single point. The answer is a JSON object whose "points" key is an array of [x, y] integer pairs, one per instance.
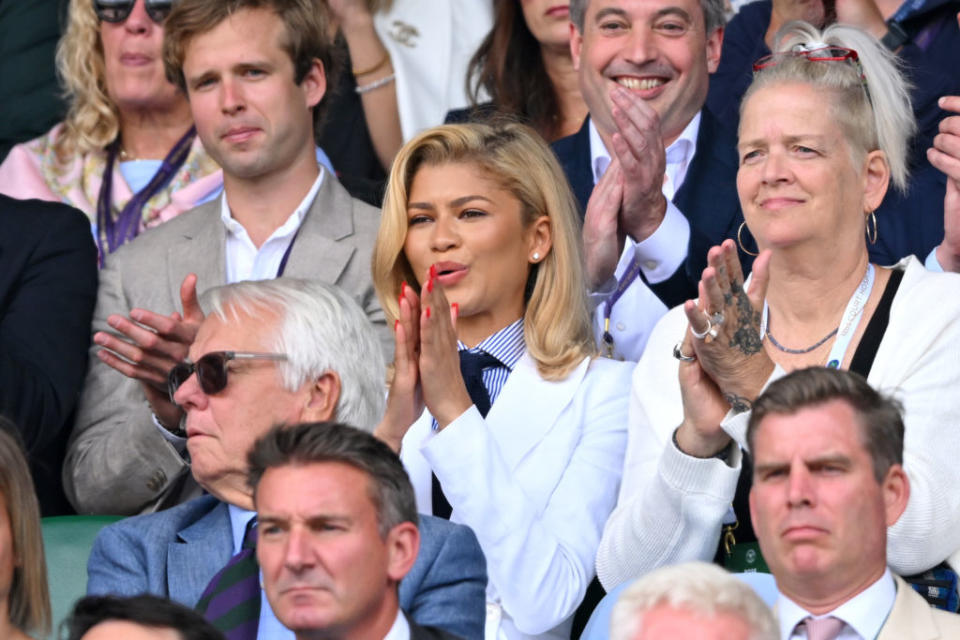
{"points": [[654, 172], [333, 554], [268, 353], [48, 286]]}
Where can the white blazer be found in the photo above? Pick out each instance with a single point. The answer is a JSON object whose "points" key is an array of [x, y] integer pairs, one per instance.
{"points": [[430, 45], [535, 481]]}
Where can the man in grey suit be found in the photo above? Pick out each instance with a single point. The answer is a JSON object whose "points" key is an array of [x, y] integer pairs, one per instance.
{"points": [[828, 481], [283, 351], [333, 554], [255, 77]]}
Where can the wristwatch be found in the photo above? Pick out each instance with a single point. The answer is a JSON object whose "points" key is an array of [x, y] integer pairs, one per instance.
{"points": [[895, 37]]}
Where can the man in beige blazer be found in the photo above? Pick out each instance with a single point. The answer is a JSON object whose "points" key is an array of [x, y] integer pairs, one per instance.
{"points": [[255, 78], [828, 481]]}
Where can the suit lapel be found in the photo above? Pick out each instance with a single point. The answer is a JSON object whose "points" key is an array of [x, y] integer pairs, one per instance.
{"points": [[519, 419], [201, 250], [317, 252], [911, 616], [573, 152], [200, 550]]}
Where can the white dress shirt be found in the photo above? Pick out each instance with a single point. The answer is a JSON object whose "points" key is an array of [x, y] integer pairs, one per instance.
{"points": [[864, 614], [660, 255], [244, 260]]}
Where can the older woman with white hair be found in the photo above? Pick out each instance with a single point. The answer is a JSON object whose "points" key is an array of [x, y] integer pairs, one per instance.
{"points": [[824, 130]]}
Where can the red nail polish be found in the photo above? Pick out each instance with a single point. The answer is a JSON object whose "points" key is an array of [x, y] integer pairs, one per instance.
{"points": [[403, 287], [433, 271], [428, 312], [456, 308], [430, 284], [396, 323]]}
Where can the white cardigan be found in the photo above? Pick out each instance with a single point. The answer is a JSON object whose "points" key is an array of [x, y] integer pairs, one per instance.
{"points": [[671, 505], [535, 480]]}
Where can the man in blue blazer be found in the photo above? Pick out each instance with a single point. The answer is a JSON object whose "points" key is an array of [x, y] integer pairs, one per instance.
{"points": [[654, 172], [274, 352]]}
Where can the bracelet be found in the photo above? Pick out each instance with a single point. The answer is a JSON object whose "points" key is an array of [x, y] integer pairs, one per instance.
{"points": [[363, 72], [376, 84]]}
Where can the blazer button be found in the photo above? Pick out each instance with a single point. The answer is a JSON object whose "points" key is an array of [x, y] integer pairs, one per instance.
{"points": [[156, 482]]}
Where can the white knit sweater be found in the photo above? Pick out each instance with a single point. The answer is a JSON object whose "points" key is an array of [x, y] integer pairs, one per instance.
{"points": [[671, 506]]}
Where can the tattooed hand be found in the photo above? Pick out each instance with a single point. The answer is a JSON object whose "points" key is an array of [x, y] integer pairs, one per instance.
{"points": [[732, 354]]}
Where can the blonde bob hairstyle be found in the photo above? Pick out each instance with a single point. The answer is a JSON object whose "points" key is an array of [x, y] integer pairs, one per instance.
{"points": [[29, 600], [92, 121], [557, 326]]}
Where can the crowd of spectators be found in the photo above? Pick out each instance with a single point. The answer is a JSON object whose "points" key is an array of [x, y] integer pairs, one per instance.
{"points": [[661, 284]]}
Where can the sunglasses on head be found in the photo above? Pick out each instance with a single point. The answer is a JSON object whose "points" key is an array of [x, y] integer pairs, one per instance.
{"points": [[211, 370], [119, 10], [817, 54]]}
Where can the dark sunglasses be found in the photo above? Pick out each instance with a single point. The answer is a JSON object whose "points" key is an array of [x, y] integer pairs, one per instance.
{"points": [[211, 370], [119, 10]]}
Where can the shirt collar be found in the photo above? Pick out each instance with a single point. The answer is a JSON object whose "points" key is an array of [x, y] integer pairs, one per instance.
{"points": [[239, 519], [288, 227], [506, 345], [865, 613], [400, 629], [680, 152]]}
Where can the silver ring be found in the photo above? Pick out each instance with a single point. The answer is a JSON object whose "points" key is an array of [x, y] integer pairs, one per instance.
{"points": [[701, 335], [712, 334], [717, 319], [678, 354]]}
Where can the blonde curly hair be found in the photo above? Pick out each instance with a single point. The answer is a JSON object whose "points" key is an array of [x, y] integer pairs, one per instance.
{"points": [[92, 122]]}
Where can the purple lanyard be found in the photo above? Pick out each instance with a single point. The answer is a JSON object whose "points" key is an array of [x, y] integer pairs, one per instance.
{"points": [[622, 285], [286, 254], [113, 232]]}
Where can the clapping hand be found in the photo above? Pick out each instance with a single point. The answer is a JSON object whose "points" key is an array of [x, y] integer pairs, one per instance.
{"points": [[945, 156], [148, 345], [724, 365]]}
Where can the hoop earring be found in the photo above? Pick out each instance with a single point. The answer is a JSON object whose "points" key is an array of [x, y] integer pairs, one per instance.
{"points": [[872, 227], [740, 240]]}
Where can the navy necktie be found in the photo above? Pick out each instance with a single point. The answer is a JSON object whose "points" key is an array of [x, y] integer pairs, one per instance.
{"points": [[471, 367], [231, 601]]}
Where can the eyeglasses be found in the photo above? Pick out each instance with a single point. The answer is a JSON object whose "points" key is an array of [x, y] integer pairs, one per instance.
{"points": [[119, 10], [818, 54], [211, 370]]}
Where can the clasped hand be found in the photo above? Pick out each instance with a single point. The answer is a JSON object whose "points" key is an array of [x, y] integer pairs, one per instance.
{"points": [[426, 363]]}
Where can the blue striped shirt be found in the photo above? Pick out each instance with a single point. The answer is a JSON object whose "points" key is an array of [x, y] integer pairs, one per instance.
{"points": [[507, 346]]}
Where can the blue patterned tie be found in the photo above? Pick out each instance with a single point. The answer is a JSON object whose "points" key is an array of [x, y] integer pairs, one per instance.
{"points": [[231, 601]]}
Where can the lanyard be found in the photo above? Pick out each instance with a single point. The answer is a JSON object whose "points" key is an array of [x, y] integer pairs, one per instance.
{"points": [[848, 323], [286, 254], [622, 285], [113, 232]]}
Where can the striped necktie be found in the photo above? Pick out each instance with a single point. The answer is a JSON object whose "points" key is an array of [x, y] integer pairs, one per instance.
{"points": [[231, 601]]}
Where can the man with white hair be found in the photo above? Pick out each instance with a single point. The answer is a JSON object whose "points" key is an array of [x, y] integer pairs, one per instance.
{"points": [[691, 600], [269, 353]]}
